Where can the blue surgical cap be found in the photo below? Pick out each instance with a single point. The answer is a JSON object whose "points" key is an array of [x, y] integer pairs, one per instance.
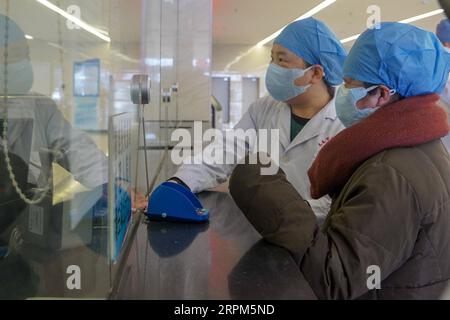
{"points": [[403, 57], [443, 30], [315, 43]]}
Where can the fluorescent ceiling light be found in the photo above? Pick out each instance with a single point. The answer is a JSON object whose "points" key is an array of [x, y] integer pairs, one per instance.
{"points": [[409, 20], [423, 16], [54, 45], [101, 31], [263, 42], [352, 38], [75, 20], [27, 36], [308, 14], [238, 58]]}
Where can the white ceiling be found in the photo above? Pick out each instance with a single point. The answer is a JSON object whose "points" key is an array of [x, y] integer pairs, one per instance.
{"points": [[120, 18], [237, 24], [240, 24]]}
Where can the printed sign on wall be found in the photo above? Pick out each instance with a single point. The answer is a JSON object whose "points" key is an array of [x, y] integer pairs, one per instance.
{"points": [[86, 92]]}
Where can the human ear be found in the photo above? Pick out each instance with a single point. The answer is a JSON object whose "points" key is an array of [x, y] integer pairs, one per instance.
{"points": [[384, 96], [317, 74], [312, 76]]}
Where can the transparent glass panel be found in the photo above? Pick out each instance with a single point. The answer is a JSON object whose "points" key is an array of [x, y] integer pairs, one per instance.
{"points": [[65, 105], [75, 151]]}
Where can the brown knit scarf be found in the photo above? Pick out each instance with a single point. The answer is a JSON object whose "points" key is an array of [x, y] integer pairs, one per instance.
{"points": [[406, 123]]}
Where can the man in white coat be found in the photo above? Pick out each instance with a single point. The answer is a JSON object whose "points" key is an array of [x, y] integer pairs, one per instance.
{"points": [[306, 67]]}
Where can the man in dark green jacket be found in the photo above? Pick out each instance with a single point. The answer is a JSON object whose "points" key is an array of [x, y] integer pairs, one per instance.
{"points": [[388, 174]]}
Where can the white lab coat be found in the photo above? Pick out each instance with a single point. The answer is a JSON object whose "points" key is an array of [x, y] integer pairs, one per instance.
{"points": [[50, 131], [296, 157]]}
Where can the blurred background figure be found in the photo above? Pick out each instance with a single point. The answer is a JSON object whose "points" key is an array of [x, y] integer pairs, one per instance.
{"points": [[35, 135], [37, 130]]}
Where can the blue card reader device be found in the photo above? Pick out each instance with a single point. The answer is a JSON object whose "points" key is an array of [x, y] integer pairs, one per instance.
{"points": [[174, 202]]}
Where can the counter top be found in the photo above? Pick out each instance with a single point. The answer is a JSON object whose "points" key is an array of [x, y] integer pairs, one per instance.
{"points": [[223, 259]]}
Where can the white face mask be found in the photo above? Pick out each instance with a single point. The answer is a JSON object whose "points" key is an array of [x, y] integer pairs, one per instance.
{"points": [[20, 78], [280, 82], [346, 105]]}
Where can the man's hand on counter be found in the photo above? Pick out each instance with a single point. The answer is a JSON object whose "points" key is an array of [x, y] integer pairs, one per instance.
{"points": [[138, 200]]}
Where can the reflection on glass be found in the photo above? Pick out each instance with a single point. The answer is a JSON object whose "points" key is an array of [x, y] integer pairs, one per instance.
{"points": [[63, 84], [48, 223]]}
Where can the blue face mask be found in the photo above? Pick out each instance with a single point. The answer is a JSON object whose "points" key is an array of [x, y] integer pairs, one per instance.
{"points": [[20, 78], [346, 109], [280, 82]]}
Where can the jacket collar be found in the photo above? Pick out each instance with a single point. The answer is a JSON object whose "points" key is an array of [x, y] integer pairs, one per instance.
{"points": [[330, 108]]}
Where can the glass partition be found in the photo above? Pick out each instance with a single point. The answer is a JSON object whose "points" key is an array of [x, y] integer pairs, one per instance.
{"points": [[71, 162], [66, 127]]}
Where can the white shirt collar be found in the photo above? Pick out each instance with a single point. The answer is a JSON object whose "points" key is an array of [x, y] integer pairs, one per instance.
{"points": [[330, 108]]}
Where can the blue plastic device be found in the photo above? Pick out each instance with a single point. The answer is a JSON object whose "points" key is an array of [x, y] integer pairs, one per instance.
{"points": [[174, 202]]}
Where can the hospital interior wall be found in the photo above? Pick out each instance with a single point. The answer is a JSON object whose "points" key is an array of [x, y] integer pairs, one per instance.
{"points": [[176, 42], [176, 49]]}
